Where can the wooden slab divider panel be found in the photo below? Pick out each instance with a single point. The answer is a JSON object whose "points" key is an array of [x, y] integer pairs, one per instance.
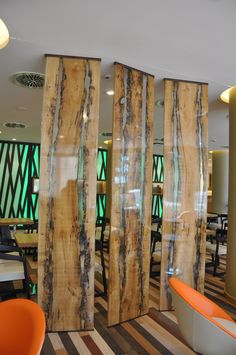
{"points": [[185, 185], [68, 192], [132, 145]]}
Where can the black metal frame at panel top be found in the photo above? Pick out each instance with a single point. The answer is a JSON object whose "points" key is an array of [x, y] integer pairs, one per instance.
{"points": [[18, 166]]}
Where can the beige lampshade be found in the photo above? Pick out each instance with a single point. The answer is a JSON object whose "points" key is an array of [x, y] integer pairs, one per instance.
{"points": [[4, 35]]}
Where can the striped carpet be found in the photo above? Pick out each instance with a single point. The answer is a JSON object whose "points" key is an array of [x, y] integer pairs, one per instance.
{"points": [[155, 333]]}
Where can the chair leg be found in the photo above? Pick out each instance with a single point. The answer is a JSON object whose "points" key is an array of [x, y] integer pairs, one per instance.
{"points": [[104, 280], [151, 261], [216, 259], [26, 288]]}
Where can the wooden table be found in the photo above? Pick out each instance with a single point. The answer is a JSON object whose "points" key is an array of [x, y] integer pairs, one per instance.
{"points": [[6, 222], [210, 232], [15, 221], [27, 240]]}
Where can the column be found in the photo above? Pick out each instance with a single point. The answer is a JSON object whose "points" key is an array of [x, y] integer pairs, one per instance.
{"points": [[220, 175], [109, 182], [230, 281]]}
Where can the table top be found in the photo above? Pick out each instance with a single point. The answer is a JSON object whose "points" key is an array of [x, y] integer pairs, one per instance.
{"points": [[14, 221], [27, 240], [32, 266], [211, 232], [212, 215]]}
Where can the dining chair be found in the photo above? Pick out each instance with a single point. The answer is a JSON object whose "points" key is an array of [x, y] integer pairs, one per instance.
{"points": [[207, 328], [217, 247], [155, 252], [13, 268], [22, 327], [155, 258], [32, 228], [5, 233], [99, 246]]}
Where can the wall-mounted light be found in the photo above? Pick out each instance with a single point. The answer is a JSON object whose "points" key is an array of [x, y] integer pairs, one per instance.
{"points": [[225, 95], [4, 34]]}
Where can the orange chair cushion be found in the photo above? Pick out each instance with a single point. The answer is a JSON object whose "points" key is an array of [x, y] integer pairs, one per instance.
{"points": [[22, 327]]}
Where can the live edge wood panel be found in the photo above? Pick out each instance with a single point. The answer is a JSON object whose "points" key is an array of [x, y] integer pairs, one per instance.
{"points": [[132, 144], [68, 192], [185, 186]]}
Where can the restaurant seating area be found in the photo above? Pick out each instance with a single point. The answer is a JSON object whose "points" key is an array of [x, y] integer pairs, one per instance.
{"points": [[25, 241], [117, 178], [153, 333]]}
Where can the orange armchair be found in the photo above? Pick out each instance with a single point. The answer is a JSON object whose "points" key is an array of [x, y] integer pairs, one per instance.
{"points": [[206, 327], [22, 327]]}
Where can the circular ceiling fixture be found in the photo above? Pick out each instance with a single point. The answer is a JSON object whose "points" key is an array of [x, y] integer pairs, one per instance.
{"points": [[4, 34], [158, 141], [28, 79], [14, 125]]}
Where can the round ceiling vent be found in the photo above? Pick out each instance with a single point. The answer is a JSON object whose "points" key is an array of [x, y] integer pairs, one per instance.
{"points": [[14, 125], [158, 141], [106, 134], [28, 79]]}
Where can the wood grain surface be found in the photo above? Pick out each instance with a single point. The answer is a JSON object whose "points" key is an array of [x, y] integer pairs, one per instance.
{"points": [[68, 192], [185, 185], [132, 139]]}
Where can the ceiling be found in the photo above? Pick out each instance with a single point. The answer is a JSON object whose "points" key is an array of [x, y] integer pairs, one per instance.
{"points": [[185, 39]]}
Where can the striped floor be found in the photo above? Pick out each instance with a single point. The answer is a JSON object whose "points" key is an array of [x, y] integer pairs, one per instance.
{"points": [[155, 333]]}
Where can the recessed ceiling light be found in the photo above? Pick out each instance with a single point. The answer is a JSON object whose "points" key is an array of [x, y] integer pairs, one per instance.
{"points": [[14, 125], [13, 139], [106, 134], [22, 108], [107, 142], [0, 132], [61, 136], [110, 92], [85, 117]]}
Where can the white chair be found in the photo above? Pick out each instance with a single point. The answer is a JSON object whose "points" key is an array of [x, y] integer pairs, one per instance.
{"points": [[206, 327]]}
